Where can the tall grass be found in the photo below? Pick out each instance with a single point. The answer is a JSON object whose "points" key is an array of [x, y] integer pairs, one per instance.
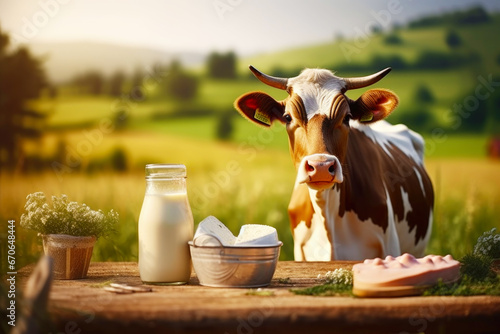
{"points": [[467, 203], [240, 183]]}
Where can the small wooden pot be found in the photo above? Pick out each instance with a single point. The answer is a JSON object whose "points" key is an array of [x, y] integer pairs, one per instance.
{"points": [[71, 254]]}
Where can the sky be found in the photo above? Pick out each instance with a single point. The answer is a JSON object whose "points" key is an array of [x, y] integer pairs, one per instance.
{"points": [[244, 26]]}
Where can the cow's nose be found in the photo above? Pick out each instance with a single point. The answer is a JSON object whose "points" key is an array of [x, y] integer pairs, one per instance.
{"points": [[320, 171]]}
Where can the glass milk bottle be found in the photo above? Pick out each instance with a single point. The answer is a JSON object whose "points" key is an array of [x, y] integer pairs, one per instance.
{"points": [[165, 226]]}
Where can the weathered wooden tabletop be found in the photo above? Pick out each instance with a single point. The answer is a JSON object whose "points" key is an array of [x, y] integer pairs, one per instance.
{"points": [[83, 306]]}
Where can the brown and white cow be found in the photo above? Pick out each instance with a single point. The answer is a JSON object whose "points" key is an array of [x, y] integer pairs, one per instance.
{"points": [[361, 189]]}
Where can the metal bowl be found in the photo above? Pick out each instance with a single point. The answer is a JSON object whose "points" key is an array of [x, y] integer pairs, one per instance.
{"points": [[233, 266]]}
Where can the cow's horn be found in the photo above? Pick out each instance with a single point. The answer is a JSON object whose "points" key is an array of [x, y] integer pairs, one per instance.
{"points": [[280, 83], [353, 83]]}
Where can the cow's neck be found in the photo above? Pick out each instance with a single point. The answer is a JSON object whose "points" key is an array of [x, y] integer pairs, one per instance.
{"points": [[344, 213], [325, 203], [349, 236], [319, 246]]}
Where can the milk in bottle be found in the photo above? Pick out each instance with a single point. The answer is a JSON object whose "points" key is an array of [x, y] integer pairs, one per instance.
{"points": [[165, 226]]}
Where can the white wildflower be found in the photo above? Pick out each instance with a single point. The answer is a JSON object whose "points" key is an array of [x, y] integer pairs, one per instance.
{"points": [[65, 217], [338, 276], [488, 244]]}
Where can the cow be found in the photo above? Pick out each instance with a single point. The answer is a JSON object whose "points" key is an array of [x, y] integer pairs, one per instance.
{"points": [[361, 189]]}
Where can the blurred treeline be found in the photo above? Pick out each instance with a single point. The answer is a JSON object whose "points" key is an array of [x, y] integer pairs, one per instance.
{"points": [[89, 137], [182, 91], [23, 80], [482, 115]]}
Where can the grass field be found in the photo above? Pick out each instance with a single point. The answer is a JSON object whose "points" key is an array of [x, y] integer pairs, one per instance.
{"points": [[245, 193], [478, 38], [467, 189], [257, 191], [219, 95], [445, 146]]}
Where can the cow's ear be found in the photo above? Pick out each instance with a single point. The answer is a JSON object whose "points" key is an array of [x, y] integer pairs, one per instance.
{"points": [[374, 105], [260, 108]]}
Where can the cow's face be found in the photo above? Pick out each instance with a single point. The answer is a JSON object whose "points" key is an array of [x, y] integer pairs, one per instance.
{"points": [[317, 116]]}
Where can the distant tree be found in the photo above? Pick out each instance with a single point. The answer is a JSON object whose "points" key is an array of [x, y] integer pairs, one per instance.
{"points": [[222, 66], [116, 83], [137, 90], [395, 61], [453, 39], [493, 121], [119, 159], [393, 39], [279, 71], [376, 29], [418, 118], [225, 126], [137, 77], [4, 43], [473, 15], [477, 119], [21, 78], [473, 113], [60, 151], [95, 82], [424, 95], [180, 84], [52, 91], [396, 26], [435, 60], [92, 82], [120, 119]]}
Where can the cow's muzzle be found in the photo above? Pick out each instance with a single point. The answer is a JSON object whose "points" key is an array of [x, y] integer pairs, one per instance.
{"points": [[320, 171]]}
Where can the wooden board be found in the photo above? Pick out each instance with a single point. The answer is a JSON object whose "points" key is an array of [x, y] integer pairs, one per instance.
{"points": [[84, 305]]}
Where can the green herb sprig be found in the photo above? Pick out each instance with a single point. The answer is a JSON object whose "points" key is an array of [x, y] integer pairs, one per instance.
{"points": [[477, 276], [66, 217], [335, 283], [488, 244]]}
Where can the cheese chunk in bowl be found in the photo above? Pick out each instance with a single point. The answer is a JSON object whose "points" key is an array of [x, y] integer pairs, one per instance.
{"points": [[222, 260]]}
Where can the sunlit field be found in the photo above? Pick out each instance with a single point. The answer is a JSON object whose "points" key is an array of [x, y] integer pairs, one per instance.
{"points": [[249, 181], [248, 178], [238, 183]]}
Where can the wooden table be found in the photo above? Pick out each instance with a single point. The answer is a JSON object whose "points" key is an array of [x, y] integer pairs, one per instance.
{"points": [[83, 306]]}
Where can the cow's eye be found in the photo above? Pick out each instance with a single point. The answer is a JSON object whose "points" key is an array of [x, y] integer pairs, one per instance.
{"points": [[287, 118]]}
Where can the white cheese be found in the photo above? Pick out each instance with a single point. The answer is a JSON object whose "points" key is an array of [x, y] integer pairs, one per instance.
{"points": [[257, 235], [212, 232]]}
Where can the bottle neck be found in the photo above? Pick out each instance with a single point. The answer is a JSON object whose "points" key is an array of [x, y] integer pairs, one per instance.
{"points": [[165, 186]]}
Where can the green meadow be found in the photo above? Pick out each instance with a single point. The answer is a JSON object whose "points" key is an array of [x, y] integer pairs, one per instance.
{"points": [[480, 38], [249, 177], [240, 183]]}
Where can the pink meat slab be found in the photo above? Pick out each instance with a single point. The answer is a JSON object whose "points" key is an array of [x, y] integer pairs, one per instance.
{"points": [[402, 276]]}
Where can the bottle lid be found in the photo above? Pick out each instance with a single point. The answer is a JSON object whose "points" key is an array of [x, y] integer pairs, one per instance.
{"points": [[165, 171]]}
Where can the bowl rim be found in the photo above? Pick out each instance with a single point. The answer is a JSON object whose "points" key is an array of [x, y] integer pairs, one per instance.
{"points": [[279, 244]]}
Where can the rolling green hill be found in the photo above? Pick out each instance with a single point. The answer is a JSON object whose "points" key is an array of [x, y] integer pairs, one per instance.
{"points": [[157, 113], [480, 38], [258, 190], [420, 57]]}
